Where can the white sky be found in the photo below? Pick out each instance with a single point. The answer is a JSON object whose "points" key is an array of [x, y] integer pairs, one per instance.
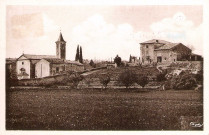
{"points": [[102, 31]]}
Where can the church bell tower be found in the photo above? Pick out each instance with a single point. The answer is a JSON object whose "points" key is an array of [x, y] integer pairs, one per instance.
{"points": [[61, 47]]}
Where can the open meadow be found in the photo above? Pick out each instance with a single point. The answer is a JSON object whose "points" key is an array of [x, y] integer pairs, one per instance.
{"points": [[95, 109]]}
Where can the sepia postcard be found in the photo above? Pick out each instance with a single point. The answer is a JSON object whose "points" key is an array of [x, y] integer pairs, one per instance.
{"points": [[73, 66]]}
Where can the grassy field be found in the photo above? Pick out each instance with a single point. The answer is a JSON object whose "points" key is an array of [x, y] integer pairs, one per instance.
{"points": [[100, 110]]}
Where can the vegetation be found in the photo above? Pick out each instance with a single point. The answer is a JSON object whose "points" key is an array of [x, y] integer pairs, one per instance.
{"points": [[74, 79], [11, 78], [127, 78], [142, 80], [81, 55], [100, 110], [185, 80], [117, 60], [161, 76], [91, 63], [104, 80], [77, 54]]}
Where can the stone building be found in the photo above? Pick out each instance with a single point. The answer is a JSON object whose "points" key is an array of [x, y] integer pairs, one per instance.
{"points": [[33, 66], [160, 51], [53, 66]]}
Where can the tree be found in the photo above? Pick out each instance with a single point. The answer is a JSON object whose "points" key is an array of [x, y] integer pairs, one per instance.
{"points": [[127, 78], [11, 78], [81, 55], [74, 78], [130, 58], [117, 60], [184, 81], [91, 63], [77, 54], [142, 80], [104, 80], [161, 76]]}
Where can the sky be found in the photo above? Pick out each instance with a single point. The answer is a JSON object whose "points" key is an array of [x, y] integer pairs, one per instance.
{"points": [[102, 31]]}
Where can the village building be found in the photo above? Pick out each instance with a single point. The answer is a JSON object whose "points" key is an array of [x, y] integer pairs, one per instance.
{"points": [[133, 61], [160, 51], [53, 66], [38, 66]]}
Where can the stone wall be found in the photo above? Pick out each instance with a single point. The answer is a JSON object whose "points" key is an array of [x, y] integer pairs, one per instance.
{"points": [[42, 81]]}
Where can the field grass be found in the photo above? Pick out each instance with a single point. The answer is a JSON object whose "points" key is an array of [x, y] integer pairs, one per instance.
{"points": [[100, 110]]}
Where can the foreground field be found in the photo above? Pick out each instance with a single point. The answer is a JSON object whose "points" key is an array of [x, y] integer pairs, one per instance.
{"points": [[100, 110]]}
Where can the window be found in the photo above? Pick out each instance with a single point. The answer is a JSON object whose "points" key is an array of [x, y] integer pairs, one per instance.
{"points": [[22, 63], [57, 69], [147, 46]]}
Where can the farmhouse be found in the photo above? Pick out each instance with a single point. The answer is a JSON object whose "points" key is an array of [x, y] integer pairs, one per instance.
{"points": [[160, 51], [38, 66]]}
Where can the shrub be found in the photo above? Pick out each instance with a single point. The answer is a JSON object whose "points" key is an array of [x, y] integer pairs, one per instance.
{"points": [[74, 79], [127, 78], [104, 80], [142, 80], [161, 76], [183, 81], [199, 77]]}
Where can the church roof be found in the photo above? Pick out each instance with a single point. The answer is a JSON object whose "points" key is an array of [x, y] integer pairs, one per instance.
{"points": [[61, 38], [55, 60], [37, 57], [61, 61]]}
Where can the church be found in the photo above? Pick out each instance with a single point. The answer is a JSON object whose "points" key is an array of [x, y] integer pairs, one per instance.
{"points": [[38, 66]]}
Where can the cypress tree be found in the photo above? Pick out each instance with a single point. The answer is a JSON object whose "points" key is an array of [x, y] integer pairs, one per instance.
{"points": [[130, 58], [77, 54], [81, 55]]}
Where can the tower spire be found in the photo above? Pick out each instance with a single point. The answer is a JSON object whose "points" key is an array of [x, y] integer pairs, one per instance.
{"points": [[61, 47]]}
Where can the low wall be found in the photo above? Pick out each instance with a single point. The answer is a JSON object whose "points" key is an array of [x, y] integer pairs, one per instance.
{"points": [[42, 81]]}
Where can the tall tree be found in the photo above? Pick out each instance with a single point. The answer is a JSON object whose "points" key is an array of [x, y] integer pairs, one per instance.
{"points": [[117, 60], [130, 58], [81, 55], [77, 54]]}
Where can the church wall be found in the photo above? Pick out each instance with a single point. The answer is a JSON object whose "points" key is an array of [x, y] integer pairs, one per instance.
{"points": [[42, 69], [23, 63]]}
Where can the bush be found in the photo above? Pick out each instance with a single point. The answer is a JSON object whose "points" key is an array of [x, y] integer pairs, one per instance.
{"points": [[161, 76], [74, 79], [183, 81], [127, 78], [104, 80], [199, 77], [142, 80]]}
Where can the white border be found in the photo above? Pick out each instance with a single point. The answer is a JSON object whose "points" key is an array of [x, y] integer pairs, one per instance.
{"points": [[3, 5]]}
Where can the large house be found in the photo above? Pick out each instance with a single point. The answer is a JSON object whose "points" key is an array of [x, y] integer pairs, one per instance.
{"points": [[38, 66], [160, 51]]}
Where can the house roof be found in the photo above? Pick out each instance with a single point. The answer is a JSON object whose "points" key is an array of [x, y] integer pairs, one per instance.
{"points": [[167, 46], [37, 57], [155, 41]]}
